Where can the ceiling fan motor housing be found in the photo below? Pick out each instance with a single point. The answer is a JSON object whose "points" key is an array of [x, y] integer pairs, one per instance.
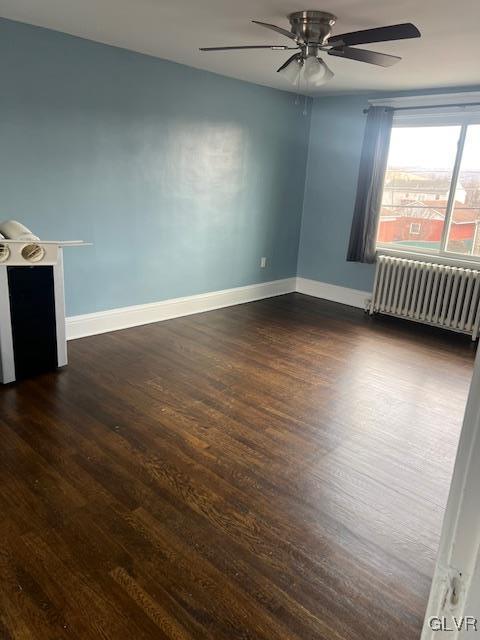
{"points": [[312, 27]]}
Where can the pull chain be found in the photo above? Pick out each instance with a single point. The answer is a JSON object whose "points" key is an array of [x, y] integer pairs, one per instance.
{"points": [[298, 96]]}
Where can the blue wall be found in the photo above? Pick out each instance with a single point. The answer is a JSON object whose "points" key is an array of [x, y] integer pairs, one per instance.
{"points": [[336, 136], [182, 179]]}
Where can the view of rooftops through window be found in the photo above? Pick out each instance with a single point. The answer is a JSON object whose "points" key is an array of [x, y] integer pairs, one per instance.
{"points": [[417, 212]]}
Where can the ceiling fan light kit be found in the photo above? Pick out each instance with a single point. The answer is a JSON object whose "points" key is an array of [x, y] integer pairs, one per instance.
{"points": [[291, 70], [310, 32], [311, 72], [315, 72]]}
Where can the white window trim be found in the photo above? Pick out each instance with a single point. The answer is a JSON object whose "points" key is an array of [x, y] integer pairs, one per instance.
{"points": [[453, 259], [436, 117], [428, 100], [444, 115]]}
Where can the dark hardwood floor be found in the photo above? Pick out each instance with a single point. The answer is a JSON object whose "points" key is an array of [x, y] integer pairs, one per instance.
{"points": [[276, 470]]}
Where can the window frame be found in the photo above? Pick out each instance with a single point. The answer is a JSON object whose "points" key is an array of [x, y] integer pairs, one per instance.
{"points": [[434, 117]]}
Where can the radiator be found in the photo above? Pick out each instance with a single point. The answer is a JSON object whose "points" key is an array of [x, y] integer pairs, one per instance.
{"points": [[434, 294]]}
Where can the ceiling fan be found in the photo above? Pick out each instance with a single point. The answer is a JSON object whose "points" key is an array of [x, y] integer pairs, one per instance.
{"points": [[310, 32]]}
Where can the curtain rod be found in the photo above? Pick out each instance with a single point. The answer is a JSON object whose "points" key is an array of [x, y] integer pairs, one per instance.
{"points": [[426, 106]]}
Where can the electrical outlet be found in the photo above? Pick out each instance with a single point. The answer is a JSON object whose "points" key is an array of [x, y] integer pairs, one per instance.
{"points": [[263, 262]]}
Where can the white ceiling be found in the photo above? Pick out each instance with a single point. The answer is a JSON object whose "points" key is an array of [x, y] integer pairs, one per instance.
{"points": [[448, 53]]}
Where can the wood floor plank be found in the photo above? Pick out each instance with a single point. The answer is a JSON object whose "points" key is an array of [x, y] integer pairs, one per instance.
{"points": [[275, 470]]}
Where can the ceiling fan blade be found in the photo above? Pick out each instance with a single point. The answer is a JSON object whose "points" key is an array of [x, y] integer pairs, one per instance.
{"points": [[274, 27], [275, 47], [380, 34], [287, 62], [363, 55]]}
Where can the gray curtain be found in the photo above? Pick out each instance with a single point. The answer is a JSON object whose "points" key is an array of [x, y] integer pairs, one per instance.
{"points": [[373, 164]]}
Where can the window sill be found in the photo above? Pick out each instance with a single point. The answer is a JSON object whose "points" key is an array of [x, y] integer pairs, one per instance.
{"points": [[453, 261]]}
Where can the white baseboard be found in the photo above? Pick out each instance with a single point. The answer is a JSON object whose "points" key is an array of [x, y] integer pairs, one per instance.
{"points": [[124, 317], [333, 292], [91, 324]]}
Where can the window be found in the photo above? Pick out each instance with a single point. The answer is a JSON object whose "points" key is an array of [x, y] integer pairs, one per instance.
{"points": [[431, 194]]}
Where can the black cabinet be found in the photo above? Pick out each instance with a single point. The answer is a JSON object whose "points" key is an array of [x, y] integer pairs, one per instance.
{"points": [[32, 312]]}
